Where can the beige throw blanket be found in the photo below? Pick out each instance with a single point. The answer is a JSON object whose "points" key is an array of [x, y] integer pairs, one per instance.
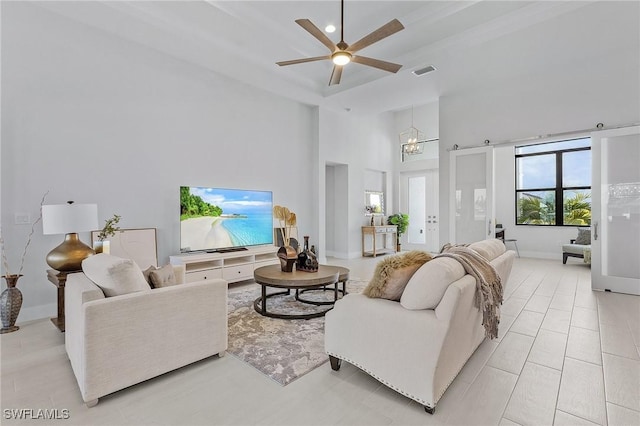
{"points": [[488, 285]]}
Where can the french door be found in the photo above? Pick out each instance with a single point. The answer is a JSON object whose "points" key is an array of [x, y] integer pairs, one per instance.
{"points": [[419, 198], [471, 197], [615, 210]]}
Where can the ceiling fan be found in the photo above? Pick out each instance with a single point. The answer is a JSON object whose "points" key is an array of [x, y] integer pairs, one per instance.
{"points": [[342, 53]]}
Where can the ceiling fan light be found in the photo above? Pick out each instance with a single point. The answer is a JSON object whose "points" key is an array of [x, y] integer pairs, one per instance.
{"points": [[341, 58]]}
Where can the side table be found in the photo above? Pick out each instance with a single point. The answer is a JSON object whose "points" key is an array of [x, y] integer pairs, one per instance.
{"points": [[59, 279]]}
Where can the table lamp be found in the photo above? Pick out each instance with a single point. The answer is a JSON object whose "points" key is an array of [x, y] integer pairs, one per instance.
{"points": [[69, 219]]}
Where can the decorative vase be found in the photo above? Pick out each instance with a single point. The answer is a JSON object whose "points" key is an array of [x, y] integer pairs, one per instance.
{"points": [[102, 247], [288, 257], [10, 304], [306, 259]]}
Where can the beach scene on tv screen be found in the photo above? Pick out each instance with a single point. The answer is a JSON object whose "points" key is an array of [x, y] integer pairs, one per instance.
{"points": [[213, 218]]}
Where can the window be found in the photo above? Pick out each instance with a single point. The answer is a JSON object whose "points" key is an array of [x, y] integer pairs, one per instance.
{"points": [[554, 174]]}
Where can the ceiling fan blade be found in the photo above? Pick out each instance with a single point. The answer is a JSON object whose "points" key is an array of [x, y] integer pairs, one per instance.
{"points": [[336, 74], [315, 31], [384, 31], [376, 63], [303, 60]]}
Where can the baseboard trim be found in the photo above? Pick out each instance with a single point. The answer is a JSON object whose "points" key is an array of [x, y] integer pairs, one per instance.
{"points": [[343, 255], [37, 312], [541, 255]]}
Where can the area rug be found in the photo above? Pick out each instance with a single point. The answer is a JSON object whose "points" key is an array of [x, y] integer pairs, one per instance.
{"points": [[282, 349]]}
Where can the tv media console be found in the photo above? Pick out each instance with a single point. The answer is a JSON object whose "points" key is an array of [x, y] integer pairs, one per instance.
{"points": [[232, 266]]}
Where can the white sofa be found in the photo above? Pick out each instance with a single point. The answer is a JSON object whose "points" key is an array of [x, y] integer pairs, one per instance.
{"points": [[115, 342], [417, 352]]}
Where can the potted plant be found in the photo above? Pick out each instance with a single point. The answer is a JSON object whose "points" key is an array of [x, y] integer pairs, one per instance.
{"points": [[401, 220], [108, 230]]}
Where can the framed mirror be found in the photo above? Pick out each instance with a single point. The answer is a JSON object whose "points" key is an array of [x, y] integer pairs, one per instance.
{"points": [[373, 203]]}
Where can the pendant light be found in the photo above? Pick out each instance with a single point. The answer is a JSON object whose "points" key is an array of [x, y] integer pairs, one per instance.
{"points": [[412, 139]]}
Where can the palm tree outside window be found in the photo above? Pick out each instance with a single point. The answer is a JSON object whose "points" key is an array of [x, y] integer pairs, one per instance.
{"points": [[550, 175]]}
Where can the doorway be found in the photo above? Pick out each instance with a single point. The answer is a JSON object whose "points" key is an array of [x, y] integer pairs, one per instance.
{"points": [[336, 210]]}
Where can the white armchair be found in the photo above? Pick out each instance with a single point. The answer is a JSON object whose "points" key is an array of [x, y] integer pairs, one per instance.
{"points": [[115, 342]]}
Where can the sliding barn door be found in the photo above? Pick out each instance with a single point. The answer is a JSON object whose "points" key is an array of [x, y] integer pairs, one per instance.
{"points": [[471, 208], [615, 210]]}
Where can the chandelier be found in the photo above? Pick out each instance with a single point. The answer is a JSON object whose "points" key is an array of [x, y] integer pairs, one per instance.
{"points": [[411, 139]]}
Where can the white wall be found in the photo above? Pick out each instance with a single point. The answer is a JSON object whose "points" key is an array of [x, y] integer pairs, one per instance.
{"points": [[330, 208], [374, 180], [337, 208], [363, 142], [425, 119], [96, 119], [537, 102]]}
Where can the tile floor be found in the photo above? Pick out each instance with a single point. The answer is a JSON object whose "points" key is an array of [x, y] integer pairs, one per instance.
{"points": [[565, 356]]}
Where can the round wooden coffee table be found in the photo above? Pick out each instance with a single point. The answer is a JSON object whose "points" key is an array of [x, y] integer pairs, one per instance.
{"points": [[300, 281]]}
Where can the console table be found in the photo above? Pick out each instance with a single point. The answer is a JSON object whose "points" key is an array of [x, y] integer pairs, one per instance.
{"points": [[384, 231]]}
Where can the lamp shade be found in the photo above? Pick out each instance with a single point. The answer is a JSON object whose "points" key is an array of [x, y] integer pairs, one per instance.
{"points": [[69, 218]]}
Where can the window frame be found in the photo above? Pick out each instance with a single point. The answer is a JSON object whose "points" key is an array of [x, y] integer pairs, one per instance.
{"points": [[558, 190]]}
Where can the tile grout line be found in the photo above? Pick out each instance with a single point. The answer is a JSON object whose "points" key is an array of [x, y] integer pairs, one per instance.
{"points": [[604, 382], [530, 349], [622, 406], [566, 345], [575, 415], [498, 345]]}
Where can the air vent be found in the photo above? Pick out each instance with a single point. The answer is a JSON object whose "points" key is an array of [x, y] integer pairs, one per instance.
{"points": [[424, 70]]}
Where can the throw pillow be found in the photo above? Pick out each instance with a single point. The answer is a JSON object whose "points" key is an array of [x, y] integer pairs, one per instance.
{"points": [[584, 236], [147, 272], [162, 277], [393, 273], [427, 286], [114, 275]]}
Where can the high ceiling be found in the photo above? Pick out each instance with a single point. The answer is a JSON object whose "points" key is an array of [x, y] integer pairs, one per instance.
{"points": [[244, 39]]}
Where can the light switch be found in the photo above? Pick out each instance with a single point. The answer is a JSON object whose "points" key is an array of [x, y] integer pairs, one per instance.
{"points": [[22, 218]]}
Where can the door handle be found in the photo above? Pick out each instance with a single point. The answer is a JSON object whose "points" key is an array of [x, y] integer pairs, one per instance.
{"points": [[489, 227], [595, 230]]}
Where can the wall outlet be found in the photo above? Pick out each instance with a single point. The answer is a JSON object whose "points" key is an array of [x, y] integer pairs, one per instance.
{"points": [[22, 218]]}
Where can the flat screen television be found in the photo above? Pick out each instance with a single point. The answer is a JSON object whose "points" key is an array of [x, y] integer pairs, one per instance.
{"points": [[217, 219]]}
